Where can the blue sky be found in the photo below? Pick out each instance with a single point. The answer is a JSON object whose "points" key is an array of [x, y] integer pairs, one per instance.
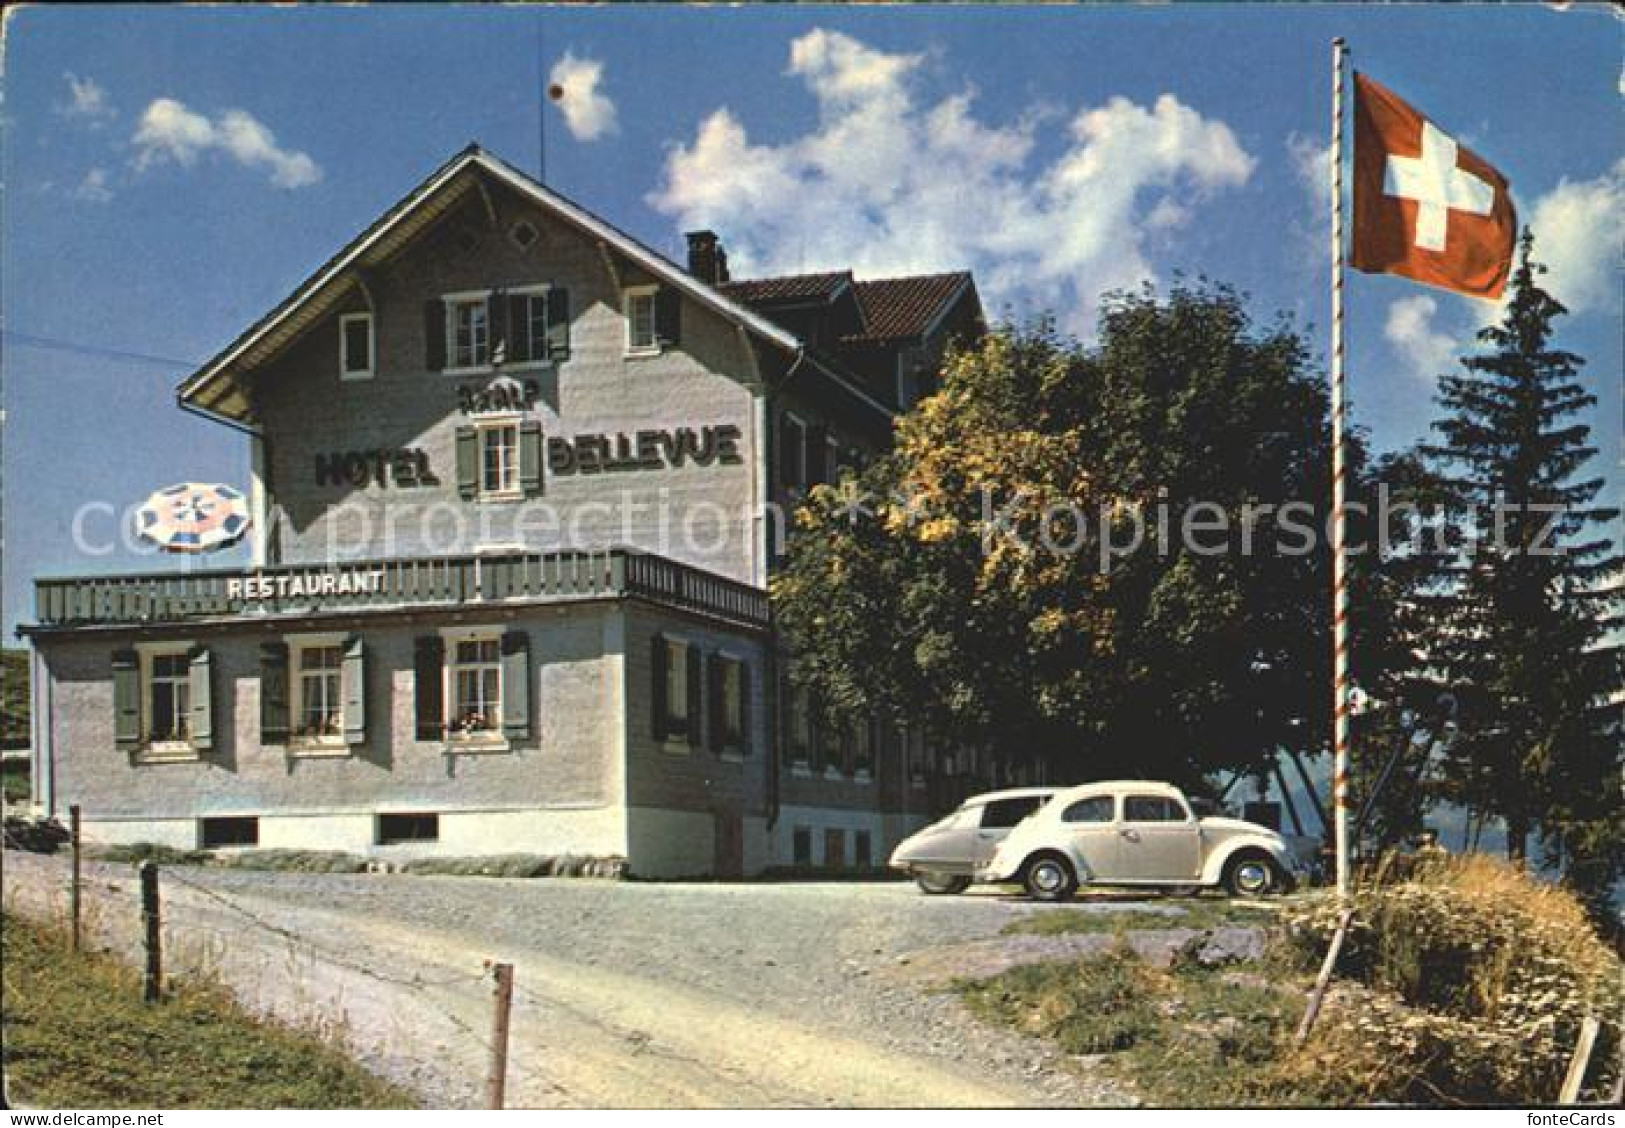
{"points": [[169, 175]]}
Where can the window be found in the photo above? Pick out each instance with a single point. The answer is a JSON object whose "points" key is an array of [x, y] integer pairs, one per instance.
{"points": [[394, 829], [169, 698], [792, 452], [355, 346], [641, 330], [1152, 808], [499, 458], [802, 846], [476, 689], [800, 743], [468, 329], [677, 717], [863, 750], [1095, 809], [234, 831], [529, 313], [318, 694], [835, 848], [523, 234], [1004, 813], [732, 705], [862, 850]]}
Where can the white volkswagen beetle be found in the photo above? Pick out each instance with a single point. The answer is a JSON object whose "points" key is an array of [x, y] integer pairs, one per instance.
{"points": [[1134, 832], [944, 857]]}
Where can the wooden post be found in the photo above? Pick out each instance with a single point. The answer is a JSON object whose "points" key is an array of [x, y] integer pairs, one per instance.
{"points": [[149, 917], [1570, 1092], [73, 890], [502, 996], [1318, 995]]}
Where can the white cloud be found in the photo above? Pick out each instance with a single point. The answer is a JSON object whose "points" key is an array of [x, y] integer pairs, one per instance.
{"points": [[169, 131], [1410, 330], [588, 113], [87, 100], [94, 188], [1579, 227], [890, 185], [1312, 163]]}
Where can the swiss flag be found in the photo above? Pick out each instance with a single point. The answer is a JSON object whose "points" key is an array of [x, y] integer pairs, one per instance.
{"points": [[1424, 206]]}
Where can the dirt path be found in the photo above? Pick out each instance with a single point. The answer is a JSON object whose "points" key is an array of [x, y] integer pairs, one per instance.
{"points": [[627, 996]]}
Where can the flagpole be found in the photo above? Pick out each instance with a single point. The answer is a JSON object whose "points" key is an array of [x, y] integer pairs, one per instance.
{"points": [[1340, 591]]}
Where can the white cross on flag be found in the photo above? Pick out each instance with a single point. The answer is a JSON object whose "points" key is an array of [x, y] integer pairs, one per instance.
{"points": [[1424, 206]]}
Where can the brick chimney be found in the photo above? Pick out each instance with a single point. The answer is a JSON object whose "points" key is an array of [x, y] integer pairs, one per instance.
{"points": [[707, 261]]}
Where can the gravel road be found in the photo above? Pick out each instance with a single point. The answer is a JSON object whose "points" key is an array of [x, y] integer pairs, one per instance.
{"points": [[628, 994]]}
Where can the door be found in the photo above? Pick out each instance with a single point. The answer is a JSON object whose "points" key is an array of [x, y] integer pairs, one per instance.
{"points": [[728, 838], [1091, 833], [1157, 840]]}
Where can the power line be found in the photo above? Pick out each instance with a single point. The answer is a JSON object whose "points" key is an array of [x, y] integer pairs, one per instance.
{"points": [[56, 344]]}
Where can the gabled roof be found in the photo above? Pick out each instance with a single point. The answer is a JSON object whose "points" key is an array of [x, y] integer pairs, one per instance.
{"points": [[217, 390], [895, 308], [788, 288]]}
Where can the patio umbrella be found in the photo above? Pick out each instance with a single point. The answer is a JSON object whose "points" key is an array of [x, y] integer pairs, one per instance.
{"points": [[193, 517]]}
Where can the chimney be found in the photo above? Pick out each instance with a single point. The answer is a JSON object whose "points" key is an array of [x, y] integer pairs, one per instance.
{"points": [[707, 261]]}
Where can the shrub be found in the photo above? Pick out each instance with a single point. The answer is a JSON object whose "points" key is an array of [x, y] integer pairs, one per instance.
{"points": [[293, 861], [150, 852], [1469, 983]]}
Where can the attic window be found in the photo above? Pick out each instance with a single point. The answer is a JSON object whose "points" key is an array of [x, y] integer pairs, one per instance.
{"points": [[524, 234], [355, 346]]}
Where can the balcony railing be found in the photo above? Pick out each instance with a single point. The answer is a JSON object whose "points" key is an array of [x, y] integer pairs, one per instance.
{"points": [[448, 581]]}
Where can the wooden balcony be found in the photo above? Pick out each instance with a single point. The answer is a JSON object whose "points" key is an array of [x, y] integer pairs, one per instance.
{"points": [[404, 584]]}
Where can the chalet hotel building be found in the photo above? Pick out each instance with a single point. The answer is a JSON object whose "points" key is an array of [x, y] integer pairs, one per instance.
{"points": [[516, 486]]}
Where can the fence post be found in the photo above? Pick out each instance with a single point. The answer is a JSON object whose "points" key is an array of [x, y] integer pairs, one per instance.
{"points": [[1318, 995], [73, 890], [149, 917], [502, 994], [1577, 1064]]}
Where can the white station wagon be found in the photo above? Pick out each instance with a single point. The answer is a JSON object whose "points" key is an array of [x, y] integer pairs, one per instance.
{"points": [[1134, 832]]}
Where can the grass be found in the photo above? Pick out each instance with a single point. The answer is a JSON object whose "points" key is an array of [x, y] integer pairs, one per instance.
{"points": [[1182, 1036], [14, 782], [1198, 913], [78, 1036], [14, 698]]}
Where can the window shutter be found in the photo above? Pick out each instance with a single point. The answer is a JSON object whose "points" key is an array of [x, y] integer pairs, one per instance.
{"points": [[202, 703], [273, 693], [468, 462], [353, 681], [558, 324], [428, 686], [791, 439], [817, 454], [718, 710], [519, 328], [434, 334], [659, 707], [668, 316], [496, 320], [696, 694], [516, 685], [744, 708], [126, 700], [530, 457]]}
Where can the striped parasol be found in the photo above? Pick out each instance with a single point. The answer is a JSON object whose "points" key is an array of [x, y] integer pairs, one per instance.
{"points": [[193, 517]]}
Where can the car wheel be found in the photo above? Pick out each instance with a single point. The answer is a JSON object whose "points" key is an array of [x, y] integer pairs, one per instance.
{"points": [[938, 884], [1049, 877], [1252, 875]]}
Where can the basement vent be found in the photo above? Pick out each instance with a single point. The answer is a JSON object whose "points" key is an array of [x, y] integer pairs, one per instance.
{"points": [[408, 828], [235, 831]]}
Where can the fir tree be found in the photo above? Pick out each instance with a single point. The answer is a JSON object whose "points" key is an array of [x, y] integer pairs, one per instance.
{"points": [[1528, 592]]}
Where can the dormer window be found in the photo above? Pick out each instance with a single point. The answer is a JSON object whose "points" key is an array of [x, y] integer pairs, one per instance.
{"points": [[355, 346], [468, 330]]}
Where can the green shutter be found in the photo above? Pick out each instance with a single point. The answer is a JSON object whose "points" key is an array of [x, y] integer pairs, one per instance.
{"points": [[519, 328], [468, 462], [434, 335], [429, 687], [718, 707], [744, 709], [558, 323], [496, 319], [202, 678], [126, 700], [530, 457], [353, 680], [516, 685], [668, 316], [660, 708], [696, 694], [273, 693]]}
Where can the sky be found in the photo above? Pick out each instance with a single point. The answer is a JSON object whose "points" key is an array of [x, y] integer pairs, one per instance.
{"points": [[171, 174]]}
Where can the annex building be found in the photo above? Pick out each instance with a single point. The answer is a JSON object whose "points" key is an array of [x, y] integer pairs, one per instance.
{"points": [[518, 486]]}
